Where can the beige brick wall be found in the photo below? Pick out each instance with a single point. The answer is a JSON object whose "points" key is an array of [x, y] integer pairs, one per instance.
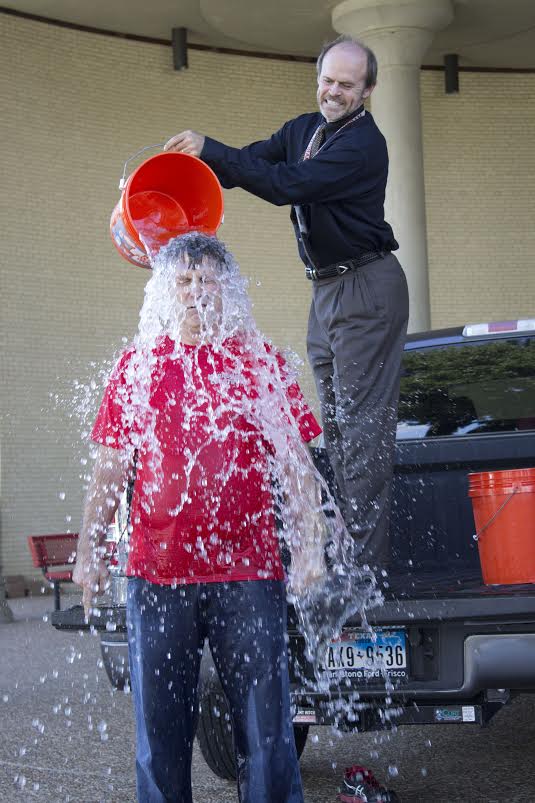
{"points": [[479, 179], [76, 105]]}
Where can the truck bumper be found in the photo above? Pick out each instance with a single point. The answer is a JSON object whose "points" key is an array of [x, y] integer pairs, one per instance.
{"points": [[449, 666], [448, 660]]}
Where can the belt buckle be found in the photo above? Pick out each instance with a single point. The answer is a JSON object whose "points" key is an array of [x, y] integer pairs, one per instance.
{"points": [[341, 269]]}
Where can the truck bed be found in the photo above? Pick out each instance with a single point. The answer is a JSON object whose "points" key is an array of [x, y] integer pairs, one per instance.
{"points": [[407, 599], [433, 596]]}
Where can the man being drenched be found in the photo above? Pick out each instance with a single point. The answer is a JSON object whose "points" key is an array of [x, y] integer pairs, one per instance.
{"points": [[195, 408], [331, 167]]}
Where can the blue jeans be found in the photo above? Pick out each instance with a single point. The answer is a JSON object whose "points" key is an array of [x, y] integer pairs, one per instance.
{"points": [[245, 623]]}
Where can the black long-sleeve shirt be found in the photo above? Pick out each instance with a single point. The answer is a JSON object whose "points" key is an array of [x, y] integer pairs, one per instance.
{"points": [[341, 189]]}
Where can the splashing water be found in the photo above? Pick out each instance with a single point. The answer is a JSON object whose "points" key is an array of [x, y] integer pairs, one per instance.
{"points": [[246, 399]]}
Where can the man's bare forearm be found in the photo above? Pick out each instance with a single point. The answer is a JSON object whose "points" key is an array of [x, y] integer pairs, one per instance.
{"points": [[110, 474], [306, 528], [303, 482]]}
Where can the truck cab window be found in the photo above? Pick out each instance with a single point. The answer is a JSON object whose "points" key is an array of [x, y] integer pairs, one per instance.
{"points": [[473, 388]]}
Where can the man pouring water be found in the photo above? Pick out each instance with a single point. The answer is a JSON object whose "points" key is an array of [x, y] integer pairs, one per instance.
{"points": [[331, 167]]}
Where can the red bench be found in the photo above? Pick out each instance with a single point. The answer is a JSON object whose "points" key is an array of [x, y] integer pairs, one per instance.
{"points": [[54, 550]]}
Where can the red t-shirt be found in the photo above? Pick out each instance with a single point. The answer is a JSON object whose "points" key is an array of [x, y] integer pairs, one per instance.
{"points": [[202, 507]]}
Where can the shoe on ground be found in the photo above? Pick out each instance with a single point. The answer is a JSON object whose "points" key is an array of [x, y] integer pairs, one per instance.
{"points": [[361, 786]]}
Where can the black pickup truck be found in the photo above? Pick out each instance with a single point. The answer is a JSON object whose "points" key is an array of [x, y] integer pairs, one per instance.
{"points": [[455, 650]]}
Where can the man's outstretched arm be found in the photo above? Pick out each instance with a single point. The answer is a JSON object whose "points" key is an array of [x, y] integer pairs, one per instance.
{"points": [[272, 151], [331, 176], [111, 471]]}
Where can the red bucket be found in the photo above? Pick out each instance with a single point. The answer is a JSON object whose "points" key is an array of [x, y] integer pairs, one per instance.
{"points": [[504, 511], [166, 196]]}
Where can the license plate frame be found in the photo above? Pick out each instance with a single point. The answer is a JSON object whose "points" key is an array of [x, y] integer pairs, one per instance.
{"points": [[362, 657]]}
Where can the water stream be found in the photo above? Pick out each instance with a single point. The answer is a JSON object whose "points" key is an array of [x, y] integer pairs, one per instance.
{"points": [[237, 390]]}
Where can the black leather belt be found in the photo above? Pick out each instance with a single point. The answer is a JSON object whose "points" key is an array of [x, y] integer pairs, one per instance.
{"points": [[339, 268]]}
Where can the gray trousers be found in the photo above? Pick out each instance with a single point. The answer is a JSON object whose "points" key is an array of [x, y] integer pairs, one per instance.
{"points": [[356, 333]]}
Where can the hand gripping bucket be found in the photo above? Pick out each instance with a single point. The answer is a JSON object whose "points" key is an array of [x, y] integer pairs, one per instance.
{"points": [[166, 196], [504, 512]]}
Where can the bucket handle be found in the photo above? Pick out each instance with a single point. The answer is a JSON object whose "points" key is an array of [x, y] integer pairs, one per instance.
{"points": [[477, 536], [122, 181]]}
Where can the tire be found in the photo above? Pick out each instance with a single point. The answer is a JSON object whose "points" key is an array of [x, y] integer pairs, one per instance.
{"points": [[300, 736], [214, 727], [214, 734], [114, 651]]}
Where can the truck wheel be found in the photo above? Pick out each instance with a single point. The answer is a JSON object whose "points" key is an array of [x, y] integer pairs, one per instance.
{"points": [[300, 736], [114, 651], [214, 734]]}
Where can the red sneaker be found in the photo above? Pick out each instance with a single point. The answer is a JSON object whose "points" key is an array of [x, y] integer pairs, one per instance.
{"points": [[361, 786]]}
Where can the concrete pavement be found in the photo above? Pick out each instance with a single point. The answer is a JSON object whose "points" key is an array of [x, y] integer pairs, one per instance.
{"points": [[65, 735]]}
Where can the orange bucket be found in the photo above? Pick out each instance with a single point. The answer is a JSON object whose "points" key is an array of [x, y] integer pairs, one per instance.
{"points": [[166, 196], [504, 511]]}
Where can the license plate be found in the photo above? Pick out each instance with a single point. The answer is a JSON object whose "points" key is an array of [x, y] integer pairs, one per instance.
{"points": [[360, 657]]}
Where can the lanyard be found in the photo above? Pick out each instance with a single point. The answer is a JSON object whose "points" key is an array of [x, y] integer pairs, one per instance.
{"points": [[306, 155]]}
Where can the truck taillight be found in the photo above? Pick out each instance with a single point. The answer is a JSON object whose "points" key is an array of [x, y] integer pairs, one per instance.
{"points": [[499, 327]]}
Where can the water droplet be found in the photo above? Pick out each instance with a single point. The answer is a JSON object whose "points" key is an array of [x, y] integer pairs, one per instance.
{"points": [[20, 781]]}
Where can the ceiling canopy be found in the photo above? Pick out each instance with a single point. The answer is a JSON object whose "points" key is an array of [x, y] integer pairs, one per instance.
{"points": [[485, 33]]}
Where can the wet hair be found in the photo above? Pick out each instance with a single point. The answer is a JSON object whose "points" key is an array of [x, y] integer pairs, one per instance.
{"points": [[162, 311], [193, 248], [344, 39]]}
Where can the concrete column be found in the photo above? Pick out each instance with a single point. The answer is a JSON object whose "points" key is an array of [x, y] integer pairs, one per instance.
{"points": [[400, 32]]}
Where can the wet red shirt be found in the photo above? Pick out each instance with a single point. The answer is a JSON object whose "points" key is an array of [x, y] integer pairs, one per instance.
{"points": [[202, 507]]}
